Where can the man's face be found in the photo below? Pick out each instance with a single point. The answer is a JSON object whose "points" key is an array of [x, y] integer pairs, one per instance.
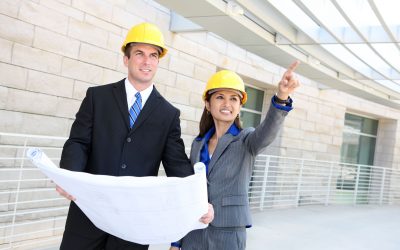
{"points": [[142, 64]]}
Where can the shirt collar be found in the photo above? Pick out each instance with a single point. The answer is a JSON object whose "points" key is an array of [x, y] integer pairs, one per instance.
{"points": [[131, 91], [233, 130]]}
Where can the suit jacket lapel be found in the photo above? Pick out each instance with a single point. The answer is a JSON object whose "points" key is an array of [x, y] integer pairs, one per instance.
{"points": [[221, 146], [120, 97], [151, 103]]}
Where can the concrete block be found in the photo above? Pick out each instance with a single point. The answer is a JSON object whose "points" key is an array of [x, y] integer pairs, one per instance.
{"points": [[165, 77], [30, 102], [312, 136], [114, 43], [162, 89], [9, 8], [43, 16], [36, 59], [56, 43], [121, 66], [81, 71], [97, 56], [292, 122], [87, 32], [142, 9], [3, 97], [203, 74], [190, 127], [175, 95], [13, 76], [323, 129], [94, 20], [293, 133], [49, 84], [320, 147], [236, 52], [16, 30], [199, 37], [123, 18], [189, 84], [18, 122], [199, 113], [5, 50], [207, 54], [183, 44], [99, 8], [67, 107], [196, 100], [181, 66], [216, 43], [110, 76], [63, 7], [197, 61], [227, 62], [187, 112], [307, 126]]}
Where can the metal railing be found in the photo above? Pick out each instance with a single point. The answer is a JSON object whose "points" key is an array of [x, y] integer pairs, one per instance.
{"points": [[32, 214]]}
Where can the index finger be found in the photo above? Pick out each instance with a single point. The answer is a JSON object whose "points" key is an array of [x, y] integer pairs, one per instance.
{"points": [[293, 66]]}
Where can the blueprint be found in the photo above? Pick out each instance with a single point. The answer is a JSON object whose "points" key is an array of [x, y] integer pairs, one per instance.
{"points": [[145, 210]]}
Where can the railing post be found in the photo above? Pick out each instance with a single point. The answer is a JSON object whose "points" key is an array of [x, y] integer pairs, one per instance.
{"points": [[299, 181], [10, 242], [356, 185], [264, 183], [382, 186], [329, 185]]}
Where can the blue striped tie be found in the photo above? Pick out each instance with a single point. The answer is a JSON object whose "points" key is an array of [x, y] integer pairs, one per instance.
{"points": [[135, 109]]}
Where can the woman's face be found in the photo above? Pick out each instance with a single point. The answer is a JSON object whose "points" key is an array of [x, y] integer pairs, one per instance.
{"points": [[224, 105]]}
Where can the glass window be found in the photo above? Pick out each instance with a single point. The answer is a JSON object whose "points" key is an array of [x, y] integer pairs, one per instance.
{"points": [[251, 112], [359, 138]]}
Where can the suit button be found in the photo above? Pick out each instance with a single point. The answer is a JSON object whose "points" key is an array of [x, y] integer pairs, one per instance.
{"points": [[128, 139], [123, 166]]}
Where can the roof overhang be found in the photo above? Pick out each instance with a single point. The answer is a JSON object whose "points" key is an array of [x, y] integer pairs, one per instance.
{"points": [[264, 31]]}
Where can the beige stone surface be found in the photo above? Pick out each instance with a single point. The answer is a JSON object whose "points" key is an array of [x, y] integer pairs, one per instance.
{"points": [[98, 56], [36, 59], [13, 76], [87, 32], [82, 71], [64, 8], [101, 9], [42, 16], [56, 43], [49, 84], [15, 30], [5, 50]]}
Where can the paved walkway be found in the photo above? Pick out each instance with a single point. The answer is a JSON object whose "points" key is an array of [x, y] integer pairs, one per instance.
{"points": [[327, 228]]}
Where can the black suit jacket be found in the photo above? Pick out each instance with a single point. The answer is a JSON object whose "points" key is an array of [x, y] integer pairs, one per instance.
{"points": [[101, 141]]}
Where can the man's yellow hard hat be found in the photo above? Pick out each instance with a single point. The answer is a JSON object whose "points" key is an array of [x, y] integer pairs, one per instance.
{"points": [[226, 79], [145, 33]]}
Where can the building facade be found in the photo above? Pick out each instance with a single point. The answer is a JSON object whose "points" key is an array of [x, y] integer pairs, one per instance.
{"points": [[51, 51]]}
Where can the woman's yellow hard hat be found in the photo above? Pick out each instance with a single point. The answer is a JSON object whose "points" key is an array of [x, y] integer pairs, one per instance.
{"points": [[226, 79]]}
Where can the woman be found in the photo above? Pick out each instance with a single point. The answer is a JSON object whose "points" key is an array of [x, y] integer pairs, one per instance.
{"points": [[228, 151]]}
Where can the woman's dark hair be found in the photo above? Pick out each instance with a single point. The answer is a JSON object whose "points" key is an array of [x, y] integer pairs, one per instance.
{"points": [[207, 121]]}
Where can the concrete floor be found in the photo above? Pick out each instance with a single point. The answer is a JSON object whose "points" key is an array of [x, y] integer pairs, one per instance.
{"points": [[327, 228]]}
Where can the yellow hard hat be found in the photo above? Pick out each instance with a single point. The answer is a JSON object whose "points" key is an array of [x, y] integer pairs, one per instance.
{"points": [[226, 79], [145, 33]]}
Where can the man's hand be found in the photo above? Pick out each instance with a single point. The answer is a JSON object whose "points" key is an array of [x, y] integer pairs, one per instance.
{"points": [[174, 248], [65, 194], [289, 82], [209, 216]]}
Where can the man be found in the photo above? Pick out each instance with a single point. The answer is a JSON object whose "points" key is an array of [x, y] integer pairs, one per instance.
{"points": [[124, 129]]}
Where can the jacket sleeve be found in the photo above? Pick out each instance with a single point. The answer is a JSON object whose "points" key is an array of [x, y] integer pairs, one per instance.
{"points": [[175, 160], [76, 149], [266, 132]]}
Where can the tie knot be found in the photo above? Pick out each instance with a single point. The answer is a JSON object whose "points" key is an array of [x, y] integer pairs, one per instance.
{"points": [[137, 95]]}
